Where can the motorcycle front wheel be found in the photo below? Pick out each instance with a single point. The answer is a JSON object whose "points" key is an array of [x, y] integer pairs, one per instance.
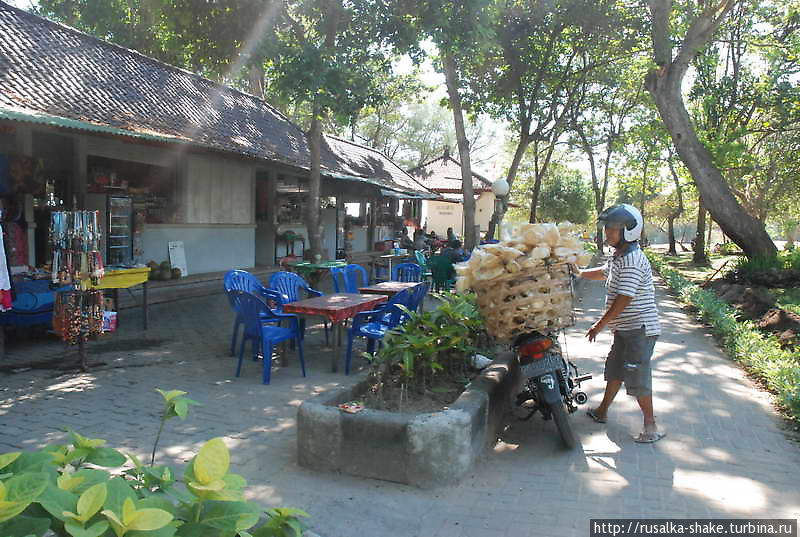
{"points": [[561, 418]]}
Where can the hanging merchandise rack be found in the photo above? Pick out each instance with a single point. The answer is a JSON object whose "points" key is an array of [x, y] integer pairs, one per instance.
{"points": [[78, 313]]}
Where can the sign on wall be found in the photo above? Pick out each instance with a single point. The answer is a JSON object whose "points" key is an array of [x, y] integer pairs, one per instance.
{"points": [[177, 257]]}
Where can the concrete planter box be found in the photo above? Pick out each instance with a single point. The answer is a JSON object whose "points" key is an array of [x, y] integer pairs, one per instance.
{"points": [[425, 450]]}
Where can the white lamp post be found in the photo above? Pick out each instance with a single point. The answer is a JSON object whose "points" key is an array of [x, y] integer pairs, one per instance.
{"points": [[500, 189]]}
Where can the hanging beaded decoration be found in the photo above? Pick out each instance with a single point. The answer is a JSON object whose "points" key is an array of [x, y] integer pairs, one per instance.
{"points": [[75, 235]]}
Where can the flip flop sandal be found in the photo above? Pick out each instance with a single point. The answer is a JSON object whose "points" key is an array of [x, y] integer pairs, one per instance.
{"points": [[648, 438], [595, 417]]}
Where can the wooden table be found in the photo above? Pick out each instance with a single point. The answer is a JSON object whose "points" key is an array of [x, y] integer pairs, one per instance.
{"points": [[337, 308], [387, 288]]}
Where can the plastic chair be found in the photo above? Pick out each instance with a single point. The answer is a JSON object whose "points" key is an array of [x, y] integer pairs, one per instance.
{"points": [[374, 324], [407, 272], [352, 277], [240, 280], [443, 272], [290, 286], [417, 297], [260, 329], [422, 262]]}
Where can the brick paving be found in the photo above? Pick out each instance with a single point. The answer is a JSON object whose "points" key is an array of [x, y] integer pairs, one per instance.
{"points": [[725, 454]]}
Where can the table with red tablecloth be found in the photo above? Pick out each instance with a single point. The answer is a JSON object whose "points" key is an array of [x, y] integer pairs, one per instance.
{"points": [[336, 308]]}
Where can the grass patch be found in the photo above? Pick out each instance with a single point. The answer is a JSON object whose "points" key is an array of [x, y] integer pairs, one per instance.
{"points": [[698, 273], [760, 355], [788, 299]]}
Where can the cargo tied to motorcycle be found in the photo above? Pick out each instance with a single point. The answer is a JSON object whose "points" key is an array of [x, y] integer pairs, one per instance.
{"points": [[524, 283]]}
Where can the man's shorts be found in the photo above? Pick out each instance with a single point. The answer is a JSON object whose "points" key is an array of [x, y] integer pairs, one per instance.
{"points": [[629, 361]]}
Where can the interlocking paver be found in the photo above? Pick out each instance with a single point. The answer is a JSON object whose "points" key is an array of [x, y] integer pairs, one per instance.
{"points": [[724, 456]]}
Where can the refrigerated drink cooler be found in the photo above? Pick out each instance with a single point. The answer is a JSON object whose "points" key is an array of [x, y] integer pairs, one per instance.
{"points": [[116, 214]]}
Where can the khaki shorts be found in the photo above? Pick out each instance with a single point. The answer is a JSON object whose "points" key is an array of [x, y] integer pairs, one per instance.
{"points": [[629, 361]]}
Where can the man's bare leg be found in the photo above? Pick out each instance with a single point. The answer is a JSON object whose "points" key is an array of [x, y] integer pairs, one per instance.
{"points": [[612, 387]]}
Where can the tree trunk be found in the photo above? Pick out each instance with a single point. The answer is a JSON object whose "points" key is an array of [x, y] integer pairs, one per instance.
{"points": [[540, 171], [312, 209], [256, 80], [671, 234], [522, 146], [700, 257], [664, 84], [470, 240], [679, 210]]}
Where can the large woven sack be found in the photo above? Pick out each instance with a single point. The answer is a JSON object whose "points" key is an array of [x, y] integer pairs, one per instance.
{"points": [[533, 299]]}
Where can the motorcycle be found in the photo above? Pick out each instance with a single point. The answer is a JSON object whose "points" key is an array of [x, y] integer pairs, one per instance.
{"points": [[551, 383]]}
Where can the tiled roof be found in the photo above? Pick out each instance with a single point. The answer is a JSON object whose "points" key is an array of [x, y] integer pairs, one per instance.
{"points": [[47, 68], [443, 174]]}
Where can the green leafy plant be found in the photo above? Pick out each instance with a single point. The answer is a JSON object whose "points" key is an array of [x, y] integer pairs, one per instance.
{"points": [[85, 489], [433, 344], [759, 354]]}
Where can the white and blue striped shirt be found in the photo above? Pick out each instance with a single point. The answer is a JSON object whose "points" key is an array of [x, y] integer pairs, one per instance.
{"points": [[630, 274]]}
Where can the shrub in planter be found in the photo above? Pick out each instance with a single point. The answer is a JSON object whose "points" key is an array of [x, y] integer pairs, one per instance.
{"points": [[429, 349], [85, 489]]}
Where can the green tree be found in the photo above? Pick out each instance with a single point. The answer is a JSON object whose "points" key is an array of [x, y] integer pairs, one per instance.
{"points": [[664, 84], [533, 73], [566, 196]]}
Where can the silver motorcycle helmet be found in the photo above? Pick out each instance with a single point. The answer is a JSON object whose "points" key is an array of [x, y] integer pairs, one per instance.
{"points": [[625, 217]]}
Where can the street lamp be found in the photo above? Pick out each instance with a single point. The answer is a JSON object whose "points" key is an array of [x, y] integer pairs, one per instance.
{"points": [[500, 189]]}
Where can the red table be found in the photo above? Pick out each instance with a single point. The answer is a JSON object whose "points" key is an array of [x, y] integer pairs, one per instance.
{"points": [[337, 308], [387, 288]]}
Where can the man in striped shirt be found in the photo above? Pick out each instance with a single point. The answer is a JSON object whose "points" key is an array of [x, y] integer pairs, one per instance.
{"points": [[631, 314]]}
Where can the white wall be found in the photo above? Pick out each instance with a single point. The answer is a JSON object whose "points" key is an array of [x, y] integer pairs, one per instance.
{"points": [[484, 207], [439, 216], [211, 248], [219, 190]]}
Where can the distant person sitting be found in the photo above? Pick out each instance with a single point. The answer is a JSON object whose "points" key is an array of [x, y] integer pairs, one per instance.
{"points": [[405, 240], [451, 236], [420, 242], [455, 252]]}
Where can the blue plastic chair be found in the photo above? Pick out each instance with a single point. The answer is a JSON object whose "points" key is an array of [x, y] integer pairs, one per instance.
{"points": [[261, 330], [240, 280], [352, 277], [417, 297], [407, 272], [290, 287], [374, 324]]}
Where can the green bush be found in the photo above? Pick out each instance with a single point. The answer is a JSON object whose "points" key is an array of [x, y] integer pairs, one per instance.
{"points": [[439, 341], [761, 355], [61, 490]]}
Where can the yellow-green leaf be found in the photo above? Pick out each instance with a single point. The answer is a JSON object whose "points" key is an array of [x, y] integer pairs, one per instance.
{"points": [[212, 462], [149, 520], [170, 395], [116, 523], [91, 501], [9, 510], [68, 482], [8, 458], [84, 442], [128, 511], [2, 491], [219, 484]]}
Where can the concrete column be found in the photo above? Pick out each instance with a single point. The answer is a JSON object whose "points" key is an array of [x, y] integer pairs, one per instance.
{"points": [[24, 142], [80, 173]]}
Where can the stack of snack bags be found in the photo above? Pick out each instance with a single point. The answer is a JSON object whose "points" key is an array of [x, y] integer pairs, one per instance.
{"points": [[524, 283]]}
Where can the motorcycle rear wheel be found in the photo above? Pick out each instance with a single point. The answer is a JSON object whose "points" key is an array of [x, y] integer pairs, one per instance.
{"points": [[561, 418]]}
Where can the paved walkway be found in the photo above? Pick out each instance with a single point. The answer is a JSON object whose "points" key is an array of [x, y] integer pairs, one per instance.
{"points": [[725, 455]]}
